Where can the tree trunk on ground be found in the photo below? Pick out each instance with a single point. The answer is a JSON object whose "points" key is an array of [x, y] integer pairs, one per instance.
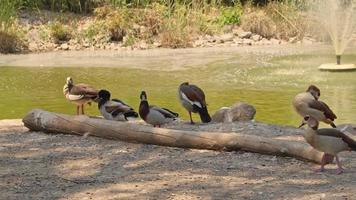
{"points": [[39, 120]]}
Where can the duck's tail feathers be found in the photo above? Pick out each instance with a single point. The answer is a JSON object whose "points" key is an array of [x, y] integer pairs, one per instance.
{"points": [[173, 113], [332, 125], [204, 114], [131, 113]]}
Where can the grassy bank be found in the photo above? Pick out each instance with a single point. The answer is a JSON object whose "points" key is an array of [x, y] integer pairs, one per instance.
{"points": [[167, 23]]}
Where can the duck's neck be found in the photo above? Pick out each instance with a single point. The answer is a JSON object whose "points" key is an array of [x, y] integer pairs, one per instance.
{"points": [[310, 134], [144, 109], [66, 88], [102, 102]]}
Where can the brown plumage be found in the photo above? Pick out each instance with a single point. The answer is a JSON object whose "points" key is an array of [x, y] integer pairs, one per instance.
{"points": [[192, 99], [307, 103], [327, 140], [79, 94]]}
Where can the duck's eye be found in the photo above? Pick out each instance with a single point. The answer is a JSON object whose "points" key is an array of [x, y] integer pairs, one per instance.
{"points": [[306, 118]]}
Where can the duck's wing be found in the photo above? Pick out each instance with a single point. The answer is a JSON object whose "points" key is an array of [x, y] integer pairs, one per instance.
{"points": [[193, 94], [83, 91], [116, 107], [323, 107], [329, 112], [165, 112], [119, 101], [331, 132]]}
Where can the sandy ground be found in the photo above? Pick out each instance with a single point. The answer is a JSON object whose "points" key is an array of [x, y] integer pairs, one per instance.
{"points": [[41, 166]]}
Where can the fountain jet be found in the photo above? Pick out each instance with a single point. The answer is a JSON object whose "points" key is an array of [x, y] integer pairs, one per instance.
{"points": [[338, 17]]}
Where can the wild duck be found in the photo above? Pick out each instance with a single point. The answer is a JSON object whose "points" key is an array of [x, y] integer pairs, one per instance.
{"points": [[192, 99], [308, 103], [328, 140], [114, 109], [79, 94], [154, 115]]}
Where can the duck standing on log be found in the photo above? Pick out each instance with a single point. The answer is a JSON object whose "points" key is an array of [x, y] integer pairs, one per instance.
{"points": [[308, 103], [79, 94], [114, 109], [192, 99], [328, 140], [154, 115]]}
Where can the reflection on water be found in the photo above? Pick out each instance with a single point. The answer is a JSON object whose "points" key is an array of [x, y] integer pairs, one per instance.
{"points": [[269, 86]]}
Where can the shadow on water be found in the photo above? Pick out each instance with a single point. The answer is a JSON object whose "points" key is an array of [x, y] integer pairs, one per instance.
{"points": [[267, 82]]}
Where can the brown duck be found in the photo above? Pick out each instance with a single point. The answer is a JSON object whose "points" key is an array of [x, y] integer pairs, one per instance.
{"points": [[308, 103], [192, 99], [328, 140], [79, 94]]}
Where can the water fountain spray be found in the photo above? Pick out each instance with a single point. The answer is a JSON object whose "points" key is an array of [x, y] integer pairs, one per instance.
{"points": [[338, 17]]}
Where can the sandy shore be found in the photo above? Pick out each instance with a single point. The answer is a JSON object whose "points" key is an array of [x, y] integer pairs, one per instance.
{"points": [[41, 166]]}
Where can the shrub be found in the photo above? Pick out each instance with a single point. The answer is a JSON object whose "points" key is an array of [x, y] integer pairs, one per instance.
{"points": [[258, 22], [11, 43], [117, 24], [129, 40], [230, 15], [287, 15], [95, 32], [175, 39], [59, 32], [76, 6], [176, 28]]}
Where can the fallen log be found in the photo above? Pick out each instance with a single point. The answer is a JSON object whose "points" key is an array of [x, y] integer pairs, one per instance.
{"points": [[40, 120]]}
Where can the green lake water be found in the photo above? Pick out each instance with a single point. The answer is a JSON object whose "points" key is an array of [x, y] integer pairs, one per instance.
{"points": [[269, 84]]}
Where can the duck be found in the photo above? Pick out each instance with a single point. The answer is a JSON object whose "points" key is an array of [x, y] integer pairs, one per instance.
{"points": [[308, 103], [114, 109], [192, 99], [155, 115], [328, 140], [79, 94]]}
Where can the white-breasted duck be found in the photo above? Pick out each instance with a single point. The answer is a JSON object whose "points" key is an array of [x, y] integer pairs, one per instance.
{"points": [[154, 115], [308, 103], [328, 140], [192, 99], [114, 109], [79, 94]]}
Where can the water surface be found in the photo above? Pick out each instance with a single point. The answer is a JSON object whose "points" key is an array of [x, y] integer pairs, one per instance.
{"points": [[269, 82]]}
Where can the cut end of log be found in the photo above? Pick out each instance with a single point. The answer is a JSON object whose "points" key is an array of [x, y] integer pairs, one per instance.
{"points": [[31, 120]]}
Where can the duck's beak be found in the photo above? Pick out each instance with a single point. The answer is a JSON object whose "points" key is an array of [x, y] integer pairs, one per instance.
{"points": [[97, 99], [301, 125]]}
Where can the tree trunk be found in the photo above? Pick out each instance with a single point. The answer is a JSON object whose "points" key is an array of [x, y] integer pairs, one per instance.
{"points": [[39, 120]]}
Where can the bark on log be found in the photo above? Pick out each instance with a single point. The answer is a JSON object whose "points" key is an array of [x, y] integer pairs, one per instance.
{"points": [[39, 120]]}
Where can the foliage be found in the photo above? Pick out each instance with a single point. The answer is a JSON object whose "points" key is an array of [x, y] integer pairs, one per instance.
{"points": [[260, 23], [59, 32], [8, 11], [10, 33], [287, 15], [176, 28], [230, 15], [129, 41], [95, 32], [10, 42], [174, 23]]}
